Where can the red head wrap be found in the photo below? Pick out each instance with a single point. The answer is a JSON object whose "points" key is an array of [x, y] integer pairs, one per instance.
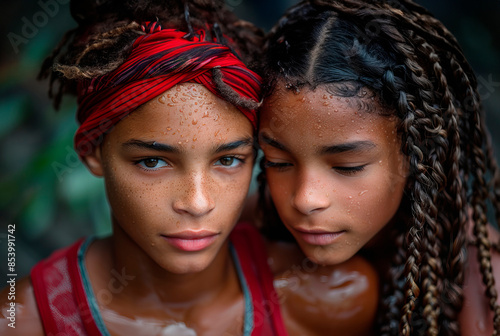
{"points": [[159, 60]]}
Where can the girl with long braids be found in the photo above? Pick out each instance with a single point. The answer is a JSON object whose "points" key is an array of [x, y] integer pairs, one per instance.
{"points": [[375, 145], [167, 117]]}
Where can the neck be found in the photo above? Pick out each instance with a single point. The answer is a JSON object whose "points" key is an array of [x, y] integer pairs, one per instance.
{"points": [[146, 280]]}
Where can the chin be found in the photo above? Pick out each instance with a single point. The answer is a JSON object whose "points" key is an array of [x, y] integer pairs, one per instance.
{"points": [[183, 267], [187, 264], [323, 255]]}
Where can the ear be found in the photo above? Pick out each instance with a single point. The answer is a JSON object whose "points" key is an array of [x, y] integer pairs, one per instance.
{"points": [[94, 163]]}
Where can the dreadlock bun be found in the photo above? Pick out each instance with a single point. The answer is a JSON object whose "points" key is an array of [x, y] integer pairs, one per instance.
{"points": [[107, 29]]}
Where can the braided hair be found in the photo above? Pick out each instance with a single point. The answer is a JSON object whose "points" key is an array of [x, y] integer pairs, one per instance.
{"points": [[107, 29], [417, 70]]}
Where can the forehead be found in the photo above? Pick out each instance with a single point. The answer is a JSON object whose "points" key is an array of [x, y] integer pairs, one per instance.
{"points": [[320, 115], [183, 100], [183, 114]]}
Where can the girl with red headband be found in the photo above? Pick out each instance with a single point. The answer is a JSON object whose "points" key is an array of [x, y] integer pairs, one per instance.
{"points": [[167, 117]]}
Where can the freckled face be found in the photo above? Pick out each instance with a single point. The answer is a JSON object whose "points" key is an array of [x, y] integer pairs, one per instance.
{"points": [[177, 172], [335, 171]]}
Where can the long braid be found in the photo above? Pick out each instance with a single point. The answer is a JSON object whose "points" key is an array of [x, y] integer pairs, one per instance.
{"points": [[480, 193], [435, 96], [478, 201], [454, 259]]}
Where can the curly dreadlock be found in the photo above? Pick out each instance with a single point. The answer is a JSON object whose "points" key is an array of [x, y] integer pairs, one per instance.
{"points": [[107, 29], [414, 65]]}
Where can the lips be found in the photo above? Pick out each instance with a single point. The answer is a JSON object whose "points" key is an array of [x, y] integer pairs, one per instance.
{"points": [[318, 236], [191, 241]]}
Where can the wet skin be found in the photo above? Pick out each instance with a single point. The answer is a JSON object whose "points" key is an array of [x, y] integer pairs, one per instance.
{"points": [[336, 175], [177, 169], [177, 172], [335, 170]]}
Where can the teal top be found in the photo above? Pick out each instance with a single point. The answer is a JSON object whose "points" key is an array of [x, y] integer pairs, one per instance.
{"points": [[94, 308]]}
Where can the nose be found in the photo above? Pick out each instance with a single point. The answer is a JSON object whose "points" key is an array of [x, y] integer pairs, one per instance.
{"points": [[195, 196], [310, 195]]}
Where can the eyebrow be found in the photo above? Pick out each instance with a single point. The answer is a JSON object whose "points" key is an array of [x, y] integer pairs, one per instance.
{"points": [[159, 147], [355, 146], [151, 145], [271, 142], [233, 145]]}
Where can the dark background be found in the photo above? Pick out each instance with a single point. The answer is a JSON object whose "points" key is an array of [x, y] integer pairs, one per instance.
{"points": [[50, 196]]}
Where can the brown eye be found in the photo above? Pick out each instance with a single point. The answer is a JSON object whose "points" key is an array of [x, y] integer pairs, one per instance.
{"points": [[151, 163], [230, 162], [227, 161]]}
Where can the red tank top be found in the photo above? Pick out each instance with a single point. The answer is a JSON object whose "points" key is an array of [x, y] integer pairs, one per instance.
{"points": [[67, 305]]}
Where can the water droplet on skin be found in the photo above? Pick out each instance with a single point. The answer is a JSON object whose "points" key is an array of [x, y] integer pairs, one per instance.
{"points": [[481, 326], [169, 128], [171, 104], [325, 96], [349, 197], [194, 122], [303, 99], [335, 110], [216, 117], [380, 162], [326, 103], [162, 99], [195, 138], [205, 115], [363, 192]]}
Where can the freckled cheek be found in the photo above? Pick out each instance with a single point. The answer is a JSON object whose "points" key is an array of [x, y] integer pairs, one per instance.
{"points": [[281, 191], [131, 199]]}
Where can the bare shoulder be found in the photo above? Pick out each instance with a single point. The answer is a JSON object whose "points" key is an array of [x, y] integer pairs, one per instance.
{"points": [[476, 318], [325, 300], [18, 309]]}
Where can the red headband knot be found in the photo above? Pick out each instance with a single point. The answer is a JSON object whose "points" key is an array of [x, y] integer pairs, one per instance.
{"points": [[159, 60]]}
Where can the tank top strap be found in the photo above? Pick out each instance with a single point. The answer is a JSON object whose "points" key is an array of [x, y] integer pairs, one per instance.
{"points": [[60, 296], [251, 251]]}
